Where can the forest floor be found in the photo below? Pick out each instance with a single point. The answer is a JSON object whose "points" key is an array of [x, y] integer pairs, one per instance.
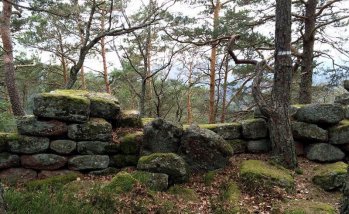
{"points": [[204, 193]]}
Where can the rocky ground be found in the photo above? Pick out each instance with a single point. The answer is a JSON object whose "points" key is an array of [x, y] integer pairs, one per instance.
{"points": [[220, 191]]}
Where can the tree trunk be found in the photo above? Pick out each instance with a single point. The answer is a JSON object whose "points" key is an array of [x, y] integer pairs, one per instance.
{"points": [[279, 121], [104, 59], [212, 116], [83, 80], [64, 65], [305, 92], [225, 86], [9, 69], [190, 82], [142, 98]]}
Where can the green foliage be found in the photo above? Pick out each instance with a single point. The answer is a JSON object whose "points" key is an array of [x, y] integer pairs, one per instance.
{"points": [[183, 192], [54, 182], [7, 120], [121, 183]]}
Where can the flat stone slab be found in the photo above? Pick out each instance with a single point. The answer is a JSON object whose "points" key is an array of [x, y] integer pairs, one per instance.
{"points": [[131, 143], [17, 175], [308, 132], [103, 105], [228, 131], [30, 125], [63, 146], [28, 145], [88, 162], [66, 105], [339, 134], [254, 129], [129, 118], [96, 129], [8, 160], [330, 176], [93, 147], [321, 114], [324, 152], [43, 161], [259, 146]]}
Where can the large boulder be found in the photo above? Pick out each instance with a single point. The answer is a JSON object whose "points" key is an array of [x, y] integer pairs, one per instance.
{"points": [[323, 152], [154, 181], [131, 143], [161, 136], [257, 174], [129, 118], [254, 129], [228, 131], [43, 161], [14, 175], [330, 176], [30, 125], [28, 145], [322, 114], [204, 150], [259, 146], [88, 162], [66, 105], [8, 160], [339, 134], [342, 99], [168, 163], [93, 147], [63, 146], [308, 132], [103, 105], [238, 145], [96, 129]]}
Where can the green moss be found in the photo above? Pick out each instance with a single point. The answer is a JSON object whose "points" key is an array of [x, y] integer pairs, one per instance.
{"points": [[298, 105], [101, 98], [257, 173], [209, 177], [338, 168], [309, 207], [77, 96], [342, 124], [153, 181], [147, 120], [330, 176], [232, 193], [130, 143], [122, 182], [149, 158], [52, 182], [184, 193], [217, 125]]}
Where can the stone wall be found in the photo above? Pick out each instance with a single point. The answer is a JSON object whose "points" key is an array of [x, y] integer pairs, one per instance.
{"points": [[69, 131]]}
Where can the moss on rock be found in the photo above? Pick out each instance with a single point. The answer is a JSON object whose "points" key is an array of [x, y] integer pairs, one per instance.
{"points": [[256, 174], [153, 181], [330, 176], [183, 193], [130, 143], [339, 134], [307, 207], [96, 129], [121, 183]]}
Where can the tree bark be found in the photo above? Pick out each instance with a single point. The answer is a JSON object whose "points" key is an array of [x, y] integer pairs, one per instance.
{"points": [[225, 87], [212, 116], [104, 58], [190, 83], [305, 92], [64, 65], [142, 98], [279, 120], [9, 69]]}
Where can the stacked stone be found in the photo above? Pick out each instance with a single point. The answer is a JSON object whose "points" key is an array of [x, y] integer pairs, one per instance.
{"points": [[70, 130]]}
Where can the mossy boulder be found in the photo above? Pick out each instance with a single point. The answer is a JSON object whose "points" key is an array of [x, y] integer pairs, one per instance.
{"points": [[321, 114], [121, 183], [66, 105], [254, 128], [227, 131], [308, 132], [30, 125], [307, 207], [17, 175], [183, 193], [161, 136], [324, 152], [88, 162], [93, 147], [28, 145], [330, 176], [131, 143], [5, 138], [167, 163], [204, 150], [153, 181], [122, 160], [8, 160], [256, 174], [339, 134], [96, 129], [63, 146], [238, 145], [43, 161], [129, 118], [103, 105], [259, 146], [53, 182]]}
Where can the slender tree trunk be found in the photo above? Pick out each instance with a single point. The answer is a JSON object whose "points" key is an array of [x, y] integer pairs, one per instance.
{"points": [[212, 116], [9, 69], [83, 80], [104, 59], [142, 98], [149, 93], [64, 65], [190, 83], [279, 120], [305, 92], [81, 34], [225, 86]]}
